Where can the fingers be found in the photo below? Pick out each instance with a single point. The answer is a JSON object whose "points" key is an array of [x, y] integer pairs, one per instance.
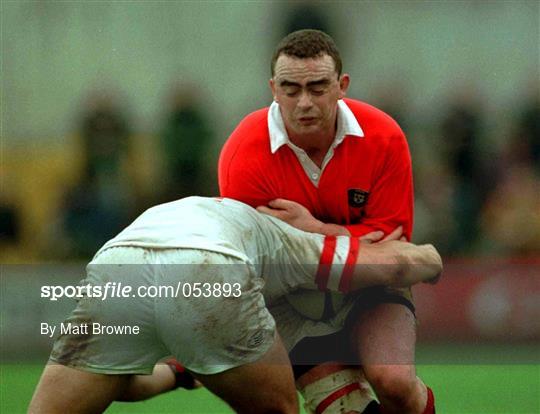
{"points": [[271, 212], [397, 234], [282, 204], [377, 236], [372, 237]]}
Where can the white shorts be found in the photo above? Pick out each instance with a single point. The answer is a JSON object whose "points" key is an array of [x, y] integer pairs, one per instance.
{"points": [[207, 334], [293, 327]]}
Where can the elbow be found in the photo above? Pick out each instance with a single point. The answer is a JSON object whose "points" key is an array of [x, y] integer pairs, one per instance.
{"points": [[435, 263], [423, 266]]}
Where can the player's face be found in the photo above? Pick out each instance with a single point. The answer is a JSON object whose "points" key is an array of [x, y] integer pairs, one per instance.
{"points": [[307, 91]]}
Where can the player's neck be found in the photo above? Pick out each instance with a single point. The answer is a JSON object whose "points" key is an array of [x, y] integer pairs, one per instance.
{"points": [[315, 145]]}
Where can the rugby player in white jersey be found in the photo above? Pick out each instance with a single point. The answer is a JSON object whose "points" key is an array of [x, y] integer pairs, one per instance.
{"points": [[227, 338]]}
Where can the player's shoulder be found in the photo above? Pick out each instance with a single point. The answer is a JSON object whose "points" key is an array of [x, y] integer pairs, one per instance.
{"points": [[373, 121], [249, 142], [254, 127]]}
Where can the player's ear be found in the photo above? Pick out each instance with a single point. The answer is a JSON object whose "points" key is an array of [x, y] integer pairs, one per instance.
{"points": [[273, 88], [344, 81]]}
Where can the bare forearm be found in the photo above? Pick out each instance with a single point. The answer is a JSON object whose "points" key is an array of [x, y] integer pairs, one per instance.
{"points": [[396, 264], [298, 216]]}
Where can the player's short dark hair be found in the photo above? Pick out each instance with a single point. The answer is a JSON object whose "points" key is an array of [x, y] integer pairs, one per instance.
{"points": [[307, 43]]}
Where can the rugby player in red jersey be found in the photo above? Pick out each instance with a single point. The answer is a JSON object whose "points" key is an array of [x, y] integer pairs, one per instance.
{"points": [[348, 164]]}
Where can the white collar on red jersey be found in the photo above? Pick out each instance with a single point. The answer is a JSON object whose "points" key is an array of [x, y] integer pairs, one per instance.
{"points": [[346, 125]]}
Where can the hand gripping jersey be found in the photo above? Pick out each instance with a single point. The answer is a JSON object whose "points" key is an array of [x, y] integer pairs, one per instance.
{"points": [[365, 182], [285, 257]]}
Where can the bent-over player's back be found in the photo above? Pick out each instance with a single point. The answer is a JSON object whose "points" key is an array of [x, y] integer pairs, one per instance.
{"points": [[213, 224], [284, 256]]}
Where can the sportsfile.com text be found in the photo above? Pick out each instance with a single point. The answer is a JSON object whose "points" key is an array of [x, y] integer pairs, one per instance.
{"points": [[121, 290]]}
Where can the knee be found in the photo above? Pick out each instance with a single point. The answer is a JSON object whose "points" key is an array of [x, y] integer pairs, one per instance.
{"points": [[391, 382], [283, 404], [272, 403]]}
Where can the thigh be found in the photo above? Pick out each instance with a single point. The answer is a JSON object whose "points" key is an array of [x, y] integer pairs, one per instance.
{"points": [[385, 335], [381, 315], [266, 385], [63, 389]]}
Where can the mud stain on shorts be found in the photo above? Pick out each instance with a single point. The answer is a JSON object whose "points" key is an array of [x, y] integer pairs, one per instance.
{"points": [[70, 348]]}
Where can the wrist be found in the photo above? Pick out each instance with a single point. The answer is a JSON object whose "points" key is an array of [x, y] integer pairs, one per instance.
{"points": [[329, 229], [317, 227]]}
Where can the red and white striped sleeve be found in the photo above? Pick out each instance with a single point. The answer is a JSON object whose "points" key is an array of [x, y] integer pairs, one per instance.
{"points": [[336, 264]]}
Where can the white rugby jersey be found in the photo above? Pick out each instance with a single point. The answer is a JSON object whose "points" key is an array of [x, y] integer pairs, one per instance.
{"points": [[287, 258]]}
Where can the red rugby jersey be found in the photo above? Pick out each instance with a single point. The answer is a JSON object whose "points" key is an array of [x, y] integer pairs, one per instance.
{"points": [[366, 186]]}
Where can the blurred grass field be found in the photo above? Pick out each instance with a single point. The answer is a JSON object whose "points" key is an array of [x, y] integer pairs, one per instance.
{"points": [[459, 389]]}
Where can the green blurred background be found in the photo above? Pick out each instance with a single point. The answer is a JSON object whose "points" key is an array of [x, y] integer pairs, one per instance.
{"points": [[460, 389], [110, 107], [133, 100]]}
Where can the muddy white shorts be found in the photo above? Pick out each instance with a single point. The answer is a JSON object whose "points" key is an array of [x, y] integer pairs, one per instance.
{"points": [[140, 305]]}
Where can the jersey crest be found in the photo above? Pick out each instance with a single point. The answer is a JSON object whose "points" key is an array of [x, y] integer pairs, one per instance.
{"points": [[357, 197]]}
